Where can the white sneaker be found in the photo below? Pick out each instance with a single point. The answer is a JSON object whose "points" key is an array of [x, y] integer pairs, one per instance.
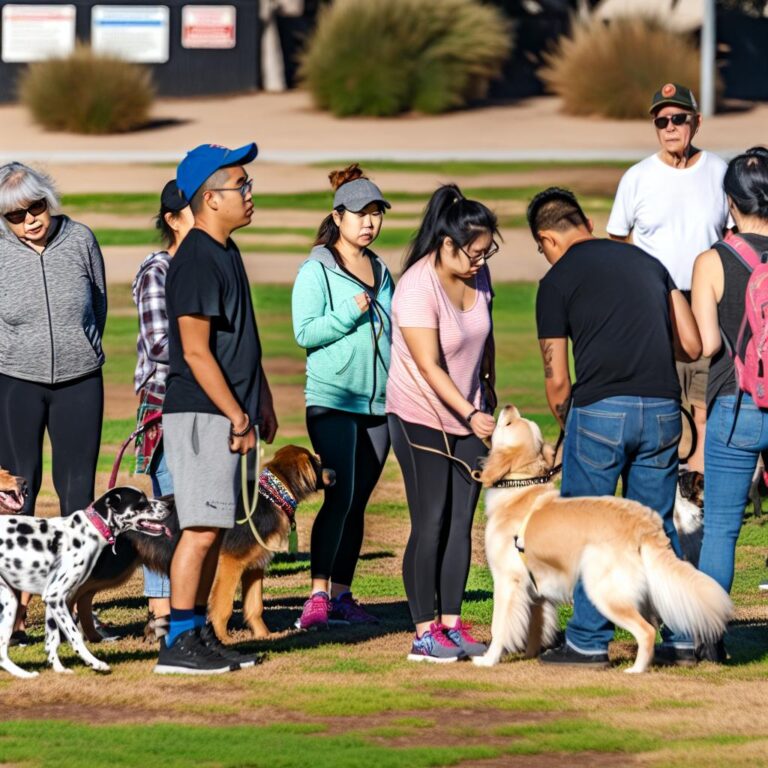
{"points": [[764, 586]]}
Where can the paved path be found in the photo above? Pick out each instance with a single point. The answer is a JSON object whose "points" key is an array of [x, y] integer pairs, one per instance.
{"points": [[289, 129]]}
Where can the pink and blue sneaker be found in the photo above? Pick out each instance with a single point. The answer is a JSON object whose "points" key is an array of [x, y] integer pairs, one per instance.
{"points": [[459, 635], [435, 647]]}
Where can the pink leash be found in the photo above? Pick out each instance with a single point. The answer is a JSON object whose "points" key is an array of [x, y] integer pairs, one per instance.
{"points": [[136, 432]]}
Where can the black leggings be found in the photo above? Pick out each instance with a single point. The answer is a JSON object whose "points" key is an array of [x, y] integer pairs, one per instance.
{"points": [[72, 413], [355, 446], [441, 500]]}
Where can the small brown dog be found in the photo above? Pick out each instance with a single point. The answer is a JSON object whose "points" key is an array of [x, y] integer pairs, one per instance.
{"points": [[298, 473], [13, 492], [538, 544]]}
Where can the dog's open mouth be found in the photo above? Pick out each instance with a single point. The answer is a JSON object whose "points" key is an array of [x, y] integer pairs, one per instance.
{"points": [[12, 501], [154, 529]]}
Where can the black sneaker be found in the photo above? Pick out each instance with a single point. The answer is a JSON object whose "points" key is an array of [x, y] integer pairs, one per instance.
{"points": [[209, 639], [20, 638], [668, 655], [190, 656], [564, 654], [712, 651]]}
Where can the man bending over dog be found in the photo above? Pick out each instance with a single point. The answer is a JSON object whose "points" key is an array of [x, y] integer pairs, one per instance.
{"points": [[216, 392], [627, 323]]}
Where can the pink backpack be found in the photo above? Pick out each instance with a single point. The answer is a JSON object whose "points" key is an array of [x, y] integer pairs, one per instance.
{"points": [[750, 355]]}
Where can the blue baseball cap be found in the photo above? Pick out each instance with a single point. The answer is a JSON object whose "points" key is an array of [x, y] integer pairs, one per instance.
{"points": [[206, 159]]}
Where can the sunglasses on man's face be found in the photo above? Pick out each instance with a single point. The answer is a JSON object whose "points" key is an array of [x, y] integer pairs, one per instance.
{"points": [[681, 118], [17, 216]]}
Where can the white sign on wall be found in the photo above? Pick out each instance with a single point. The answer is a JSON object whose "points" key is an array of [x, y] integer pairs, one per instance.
{"points": [[137, 33], [37, 32], [208, 26]]}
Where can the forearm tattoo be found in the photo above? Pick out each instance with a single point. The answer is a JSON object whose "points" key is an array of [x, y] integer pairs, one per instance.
{"points": [[547, 353]]}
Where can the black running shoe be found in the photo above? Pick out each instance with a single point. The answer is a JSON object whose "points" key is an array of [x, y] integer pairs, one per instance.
{"points": [[189, 655], [667, 655], [209, 639], [565, 654]]}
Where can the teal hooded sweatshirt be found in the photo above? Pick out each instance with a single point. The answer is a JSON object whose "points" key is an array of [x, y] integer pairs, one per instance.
{"points": [[347, 350]]}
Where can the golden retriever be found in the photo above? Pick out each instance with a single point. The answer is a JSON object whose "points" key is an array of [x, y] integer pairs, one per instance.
{"points": [[538, 544]]}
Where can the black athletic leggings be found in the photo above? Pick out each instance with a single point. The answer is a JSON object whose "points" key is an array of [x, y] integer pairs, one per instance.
{"points": [[355, 446], [442, 500], [72, 413]]}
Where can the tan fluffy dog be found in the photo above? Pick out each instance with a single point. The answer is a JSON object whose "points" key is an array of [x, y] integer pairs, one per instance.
{"points": [[617, 547]]}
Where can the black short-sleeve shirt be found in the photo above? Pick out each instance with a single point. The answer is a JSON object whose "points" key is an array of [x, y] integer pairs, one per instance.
{"points": [[207, 278], [612, 300]]}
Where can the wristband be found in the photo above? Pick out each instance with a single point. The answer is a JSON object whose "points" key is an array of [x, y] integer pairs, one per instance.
{"points": [[469, 418], [244, 432]]}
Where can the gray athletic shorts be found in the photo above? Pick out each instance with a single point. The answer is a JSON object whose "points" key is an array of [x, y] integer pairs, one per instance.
{"points": [[204, 471]]}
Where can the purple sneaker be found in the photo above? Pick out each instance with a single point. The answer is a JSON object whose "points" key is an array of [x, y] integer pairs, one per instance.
{"points": [[435, 647], [314, 614], [346, 610], [459, 635]]}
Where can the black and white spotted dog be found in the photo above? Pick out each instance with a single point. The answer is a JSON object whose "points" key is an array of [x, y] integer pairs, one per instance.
{"points": [[53, 557]]}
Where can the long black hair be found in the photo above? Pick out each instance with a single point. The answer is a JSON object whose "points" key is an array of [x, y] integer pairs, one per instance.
{"points": [[746, 182], [449, 214]]}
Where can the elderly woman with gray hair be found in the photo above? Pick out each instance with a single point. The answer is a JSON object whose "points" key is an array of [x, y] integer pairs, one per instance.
{"points": [[53, 306]]}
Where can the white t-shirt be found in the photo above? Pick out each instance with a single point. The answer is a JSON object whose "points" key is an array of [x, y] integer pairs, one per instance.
{"points": [[673, 213]]}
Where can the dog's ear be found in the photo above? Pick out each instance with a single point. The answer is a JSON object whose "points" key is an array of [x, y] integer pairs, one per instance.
{"points": [[497, 465]]}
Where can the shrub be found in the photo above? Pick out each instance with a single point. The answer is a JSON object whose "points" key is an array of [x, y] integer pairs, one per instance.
{"points": [[383, 58], [87, 93], [613, 69]]}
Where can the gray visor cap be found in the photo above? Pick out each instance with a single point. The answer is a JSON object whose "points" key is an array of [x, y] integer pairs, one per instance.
{"points": [[356, 195]]}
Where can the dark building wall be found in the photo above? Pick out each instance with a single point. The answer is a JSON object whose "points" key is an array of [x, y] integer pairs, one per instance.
{"points": [[188, 72]]}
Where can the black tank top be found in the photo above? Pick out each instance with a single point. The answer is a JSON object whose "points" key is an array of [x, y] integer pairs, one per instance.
{"points": [[730, 313]]}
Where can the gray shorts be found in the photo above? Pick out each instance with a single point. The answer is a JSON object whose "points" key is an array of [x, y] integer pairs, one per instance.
{"points": [[204, 470]]}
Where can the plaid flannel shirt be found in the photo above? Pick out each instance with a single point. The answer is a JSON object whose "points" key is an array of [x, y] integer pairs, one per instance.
{"points": [[152, 342]]}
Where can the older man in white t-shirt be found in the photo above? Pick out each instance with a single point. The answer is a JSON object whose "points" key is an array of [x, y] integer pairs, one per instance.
{"points": [[674, 206]]}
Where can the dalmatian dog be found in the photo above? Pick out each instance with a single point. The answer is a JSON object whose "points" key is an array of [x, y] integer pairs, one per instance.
{"points": [[53, 557]]}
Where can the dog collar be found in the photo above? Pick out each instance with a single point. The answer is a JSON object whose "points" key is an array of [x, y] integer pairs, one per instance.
{"points": [[100, 525], [272, 488], [524, 482]]}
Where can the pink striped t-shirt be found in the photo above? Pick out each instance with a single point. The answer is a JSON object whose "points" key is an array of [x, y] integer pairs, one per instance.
{"points": [[421, 302]]}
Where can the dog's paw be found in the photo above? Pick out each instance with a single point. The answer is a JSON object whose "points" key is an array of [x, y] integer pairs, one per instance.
{"points": [[23, 674], [635, 670], [100, 666], [62, 670], [485, 661]]}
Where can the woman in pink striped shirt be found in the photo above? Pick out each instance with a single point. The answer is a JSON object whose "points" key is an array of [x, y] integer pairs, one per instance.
{"points": [[437, 414]]}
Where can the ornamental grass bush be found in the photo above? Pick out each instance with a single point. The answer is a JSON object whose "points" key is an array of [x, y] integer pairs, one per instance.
{"points": [[613, 69], [384, 58], [87, 93]]}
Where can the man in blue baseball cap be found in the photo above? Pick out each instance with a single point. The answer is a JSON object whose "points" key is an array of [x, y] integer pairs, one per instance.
{"points": [[216, 397]]}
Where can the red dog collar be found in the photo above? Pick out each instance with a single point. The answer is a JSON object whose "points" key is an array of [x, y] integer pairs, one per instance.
{"points": [[100, 525]]}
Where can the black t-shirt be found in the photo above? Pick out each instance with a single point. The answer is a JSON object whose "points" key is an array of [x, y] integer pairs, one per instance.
{"points": [[206, 278], [611, 299]]}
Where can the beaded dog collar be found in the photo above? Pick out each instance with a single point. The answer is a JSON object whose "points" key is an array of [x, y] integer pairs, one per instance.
{"points": [[272, 488], [100, 525], [523, 482]]}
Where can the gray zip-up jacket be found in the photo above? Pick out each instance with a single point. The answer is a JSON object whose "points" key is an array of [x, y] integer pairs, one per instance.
{"points": [[53, 306]]}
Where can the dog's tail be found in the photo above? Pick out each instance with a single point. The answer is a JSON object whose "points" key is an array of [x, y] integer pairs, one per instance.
{"points": [[688, 601]]}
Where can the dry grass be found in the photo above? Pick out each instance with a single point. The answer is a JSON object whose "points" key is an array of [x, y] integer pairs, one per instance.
{"points": [[613, 70]]}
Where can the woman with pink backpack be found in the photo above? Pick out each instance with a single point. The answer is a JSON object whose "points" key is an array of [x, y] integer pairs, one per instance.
{"points": [[728, 281]]}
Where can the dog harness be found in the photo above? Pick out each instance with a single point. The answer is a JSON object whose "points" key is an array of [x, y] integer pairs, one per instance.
{"points": [[100, 525], [520, 546]]}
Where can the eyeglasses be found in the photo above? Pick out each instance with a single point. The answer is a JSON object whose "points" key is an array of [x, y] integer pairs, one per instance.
{"points": [[243, 189], [17, 216], [487, 256], [680, 118]]}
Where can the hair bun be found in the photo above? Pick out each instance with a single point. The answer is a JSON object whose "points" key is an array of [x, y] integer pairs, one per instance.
{"points": [[350, 173]]}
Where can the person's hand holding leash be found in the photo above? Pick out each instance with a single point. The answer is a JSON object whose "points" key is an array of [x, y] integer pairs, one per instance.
{"points": [[481, 424], [242, 436], [363, 301]]}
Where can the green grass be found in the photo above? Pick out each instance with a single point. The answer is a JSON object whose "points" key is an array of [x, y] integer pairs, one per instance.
{"points": [[145, 202]]}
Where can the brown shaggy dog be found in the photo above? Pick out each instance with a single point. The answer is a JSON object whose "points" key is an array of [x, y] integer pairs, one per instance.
{"points": [[241, 556], [538, 544], [13, 491]]}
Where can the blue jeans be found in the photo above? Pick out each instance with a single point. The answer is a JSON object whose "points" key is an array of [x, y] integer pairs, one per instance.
{"points": [[728, 469], [156, 584], [634, 438]]}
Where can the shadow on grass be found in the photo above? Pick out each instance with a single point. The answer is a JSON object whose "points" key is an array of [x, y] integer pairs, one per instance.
{"points": [[746, 641]]}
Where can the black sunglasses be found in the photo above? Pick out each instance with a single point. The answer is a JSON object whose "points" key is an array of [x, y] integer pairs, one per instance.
{"points": [[487, 256], [681, 118], [17, 216]]}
